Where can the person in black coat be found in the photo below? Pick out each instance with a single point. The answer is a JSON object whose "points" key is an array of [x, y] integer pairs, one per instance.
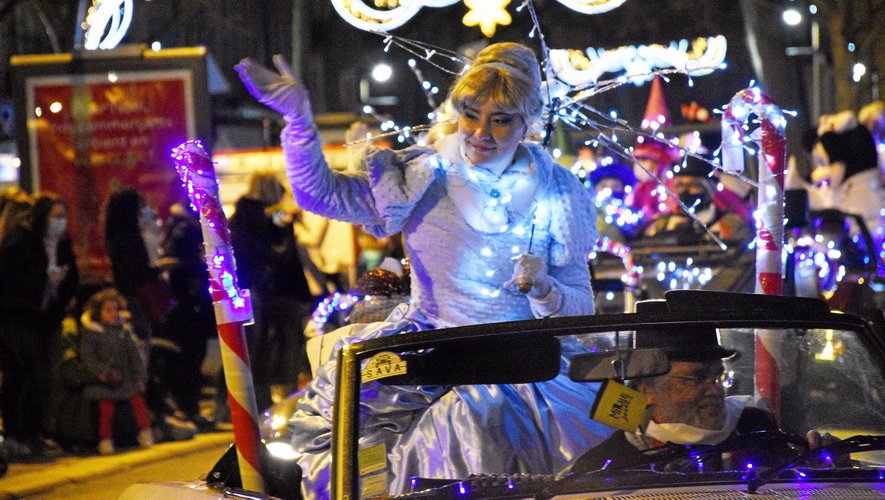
{"points": [[39, 277], [132, 242], [191, 321], [254, 237]]}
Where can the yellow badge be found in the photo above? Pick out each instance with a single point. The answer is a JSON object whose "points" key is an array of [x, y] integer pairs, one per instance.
{"points": [[383, 365], [373, 486], [372, 459], [620, 406]]}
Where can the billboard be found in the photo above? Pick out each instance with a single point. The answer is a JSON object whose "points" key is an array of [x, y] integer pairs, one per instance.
{"points": [[90, 126]]}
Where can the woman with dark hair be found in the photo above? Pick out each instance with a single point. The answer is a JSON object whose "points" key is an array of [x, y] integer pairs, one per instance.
{"points": [[39, 279], [132, 240]]}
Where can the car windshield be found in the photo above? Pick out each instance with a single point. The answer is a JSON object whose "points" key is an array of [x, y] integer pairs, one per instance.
{"points": [[418, 433]]}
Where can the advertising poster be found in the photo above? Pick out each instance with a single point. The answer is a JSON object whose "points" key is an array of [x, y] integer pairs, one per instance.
{"points": [[92, 132]]}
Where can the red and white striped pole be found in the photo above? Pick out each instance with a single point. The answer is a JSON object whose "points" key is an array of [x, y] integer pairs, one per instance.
{"points": [[233, 308], [769, 138]]}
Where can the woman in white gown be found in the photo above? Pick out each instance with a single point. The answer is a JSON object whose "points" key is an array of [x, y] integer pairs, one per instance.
{"points": [[481, 211]]}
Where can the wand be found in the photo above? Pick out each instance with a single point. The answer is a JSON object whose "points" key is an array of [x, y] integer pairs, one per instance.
{"points": [[526, 286]]}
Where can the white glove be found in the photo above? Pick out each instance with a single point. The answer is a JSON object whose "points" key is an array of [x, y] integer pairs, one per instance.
{"points": [[531, 271], [282, 91]]}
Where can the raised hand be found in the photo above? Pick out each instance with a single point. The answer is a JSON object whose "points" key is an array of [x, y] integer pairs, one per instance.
{"points": [[281, 91]]}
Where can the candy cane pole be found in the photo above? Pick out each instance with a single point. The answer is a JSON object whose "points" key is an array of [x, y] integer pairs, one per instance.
{"points": [[770, 140], [233, 308]]}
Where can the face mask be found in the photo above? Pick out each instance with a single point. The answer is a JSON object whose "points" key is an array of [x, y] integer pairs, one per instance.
{"points": [[697, 201], [689, 434], [57, 227], [146, 215]]}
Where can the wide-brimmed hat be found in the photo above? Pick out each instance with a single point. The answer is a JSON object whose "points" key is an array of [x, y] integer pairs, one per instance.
{"points": [[688, 343], [681, 343]]}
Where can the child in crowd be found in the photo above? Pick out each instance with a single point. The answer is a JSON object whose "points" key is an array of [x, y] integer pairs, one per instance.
{"points": [[108, 349]]}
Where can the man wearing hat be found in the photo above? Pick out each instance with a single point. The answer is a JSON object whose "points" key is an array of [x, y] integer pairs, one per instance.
{"points": [[688, 405], [693, 182]]}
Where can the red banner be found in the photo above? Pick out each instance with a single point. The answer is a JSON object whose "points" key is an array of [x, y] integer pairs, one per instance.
{"points": [[92, 134]]}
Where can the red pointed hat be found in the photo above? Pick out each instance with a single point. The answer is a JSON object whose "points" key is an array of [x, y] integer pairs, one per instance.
{"points": [[656, 113], [656, 116]]}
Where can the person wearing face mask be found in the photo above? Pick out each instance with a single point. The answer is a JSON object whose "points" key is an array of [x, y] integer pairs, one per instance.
{"points": [[494, 230], [694, 185], [688, 407], [688, 404], [40, 276]]}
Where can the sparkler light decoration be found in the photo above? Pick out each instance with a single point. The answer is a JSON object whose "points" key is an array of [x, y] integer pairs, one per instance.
{"points": [[113, 16], [232, 306]]}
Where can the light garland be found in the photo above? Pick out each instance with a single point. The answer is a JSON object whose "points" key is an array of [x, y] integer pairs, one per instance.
{"points": [[487, 14], [578, 68], [115, 16], [335, 303]]}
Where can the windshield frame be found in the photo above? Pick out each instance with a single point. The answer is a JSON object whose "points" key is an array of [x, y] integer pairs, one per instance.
{"points": [[684, 307]]}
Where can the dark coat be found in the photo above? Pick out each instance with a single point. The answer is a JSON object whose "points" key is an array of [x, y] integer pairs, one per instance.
{"points": [[253, 236], [23, 263], [103, 348], [188, 278], [623, 454], [130, 264]]}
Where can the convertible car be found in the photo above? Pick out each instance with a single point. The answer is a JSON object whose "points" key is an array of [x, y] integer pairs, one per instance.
{"points": [[825, 371]]}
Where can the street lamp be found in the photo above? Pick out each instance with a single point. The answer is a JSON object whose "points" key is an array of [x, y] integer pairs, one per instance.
{"points": [[793, 17], [375, 88]]}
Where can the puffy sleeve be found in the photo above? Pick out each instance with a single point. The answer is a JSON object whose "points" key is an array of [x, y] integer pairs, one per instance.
{"points": [[381, 197], [574, 234]]}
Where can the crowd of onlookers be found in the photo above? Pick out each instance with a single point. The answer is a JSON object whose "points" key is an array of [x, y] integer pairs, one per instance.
{"points": [[99, 365]]}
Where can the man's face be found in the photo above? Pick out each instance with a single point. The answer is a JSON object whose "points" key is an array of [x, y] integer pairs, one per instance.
{"points": [[690, 394]]}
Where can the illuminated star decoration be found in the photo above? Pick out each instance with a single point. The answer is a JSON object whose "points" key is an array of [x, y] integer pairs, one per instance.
{"points": [[487, 14], [386, 15]]}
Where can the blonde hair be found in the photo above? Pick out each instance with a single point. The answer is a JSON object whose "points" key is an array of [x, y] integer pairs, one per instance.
{"points": [[506, 74]]}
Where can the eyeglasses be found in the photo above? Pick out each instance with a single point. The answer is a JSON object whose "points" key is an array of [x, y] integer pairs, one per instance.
{"points": [[725, 379]]}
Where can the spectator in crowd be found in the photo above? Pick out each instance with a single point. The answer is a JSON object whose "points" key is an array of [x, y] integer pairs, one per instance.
{"points": [[108, 350], [693, 182], [288, 305], [39, 277], [191, 321], [255, 237], [14, 206], [132, 240]]}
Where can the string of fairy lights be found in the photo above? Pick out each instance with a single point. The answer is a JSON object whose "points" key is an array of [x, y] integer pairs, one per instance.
{"points": [[567, 88]]}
